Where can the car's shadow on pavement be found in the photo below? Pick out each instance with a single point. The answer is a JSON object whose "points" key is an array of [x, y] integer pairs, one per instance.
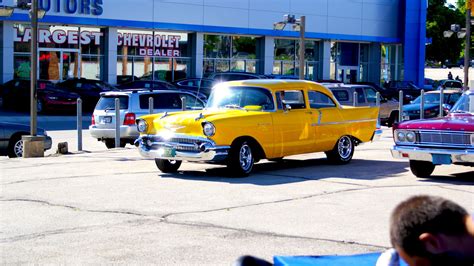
{"points": [[293, 170], [461, 178]]}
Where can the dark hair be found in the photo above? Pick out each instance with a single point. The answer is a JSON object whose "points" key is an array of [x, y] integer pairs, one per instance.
{"points": [[425, 214]]}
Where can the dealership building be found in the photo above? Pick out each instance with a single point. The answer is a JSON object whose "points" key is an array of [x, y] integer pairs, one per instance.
{"points": [[346, 40]]}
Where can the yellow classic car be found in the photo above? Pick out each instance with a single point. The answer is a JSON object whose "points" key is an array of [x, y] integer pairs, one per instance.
{"points": [[245, 121]]}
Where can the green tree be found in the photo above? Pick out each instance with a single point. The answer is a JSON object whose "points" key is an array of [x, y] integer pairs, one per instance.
{"points": [[439, 19]]}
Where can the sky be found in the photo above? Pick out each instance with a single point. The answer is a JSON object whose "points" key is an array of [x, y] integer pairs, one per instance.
{"points": [[453, 2]]}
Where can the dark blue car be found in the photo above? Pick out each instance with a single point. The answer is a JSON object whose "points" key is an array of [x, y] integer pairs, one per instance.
{"points": [[412, 111]]}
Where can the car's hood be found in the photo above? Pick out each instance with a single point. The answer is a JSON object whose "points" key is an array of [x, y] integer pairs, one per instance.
{"points": [[19, 127], [454, 122], [58, 93], [190, 122]]}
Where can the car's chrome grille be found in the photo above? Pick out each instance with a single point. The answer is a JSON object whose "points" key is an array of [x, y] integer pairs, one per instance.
{"points": [[445, 138], [181, 143]]}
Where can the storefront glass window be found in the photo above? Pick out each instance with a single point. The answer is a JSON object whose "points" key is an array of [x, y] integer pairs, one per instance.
{"points": [[153, 55], [64, 52], [392, 63], [224, 53], [286, 56]]}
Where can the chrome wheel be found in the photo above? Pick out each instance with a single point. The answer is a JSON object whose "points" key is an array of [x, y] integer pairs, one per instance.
{"points": [[344, 147], [18, 148], [245, 158]]}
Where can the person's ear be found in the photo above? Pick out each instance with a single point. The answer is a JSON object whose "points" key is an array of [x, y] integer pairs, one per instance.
{"points": [[432, 243]]}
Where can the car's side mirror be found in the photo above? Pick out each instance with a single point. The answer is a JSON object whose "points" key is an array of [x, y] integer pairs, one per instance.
{"points": [[287, 107]]}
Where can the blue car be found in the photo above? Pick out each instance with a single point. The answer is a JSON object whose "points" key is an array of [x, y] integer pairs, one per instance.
{"points": [[412, 111]]}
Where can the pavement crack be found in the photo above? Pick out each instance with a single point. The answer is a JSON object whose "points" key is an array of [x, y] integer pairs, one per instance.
{"points": [[292, 199], [70, 177], [271, 234], [43, 202], [78, 229]]}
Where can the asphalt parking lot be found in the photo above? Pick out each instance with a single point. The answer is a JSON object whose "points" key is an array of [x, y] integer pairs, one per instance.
{"points": [[112, 206]]}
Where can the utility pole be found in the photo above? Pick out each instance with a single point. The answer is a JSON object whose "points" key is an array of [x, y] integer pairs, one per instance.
{"points": [[467, 60]]}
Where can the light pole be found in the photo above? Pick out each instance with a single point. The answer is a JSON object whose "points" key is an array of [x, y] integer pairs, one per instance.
{"points": [[463, 33], [467, 60], [298, 25], [33, 144]]}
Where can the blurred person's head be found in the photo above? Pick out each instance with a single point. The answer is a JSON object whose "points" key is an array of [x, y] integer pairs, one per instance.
{"points": [[429, 230]]}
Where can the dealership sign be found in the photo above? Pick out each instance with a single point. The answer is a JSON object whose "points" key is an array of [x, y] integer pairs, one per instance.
{"points": [[147, 44], [60, 36], [151, 45], [82, 7]]}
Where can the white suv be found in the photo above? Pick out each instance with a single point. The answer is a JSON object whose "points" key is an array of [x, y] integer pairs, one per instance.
{"points": [[133, 104]]}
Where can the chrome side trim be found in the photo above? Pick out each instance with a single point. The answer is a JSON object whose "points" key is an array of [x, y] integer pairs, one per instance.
{"points": [[349, 121]]}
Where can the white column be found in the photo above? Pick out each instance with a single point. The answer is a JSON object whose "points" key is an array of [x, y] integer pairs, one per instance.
{"points": [[326, 59], [269, 46], [197, 54], [111, 39], [6, 51]]}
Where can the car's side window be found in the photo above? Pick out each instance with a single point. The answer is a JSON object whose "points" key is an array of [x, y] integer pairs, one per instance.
{"points": [[293, 98], [371, 95], [341, 95], [319, 100], [360, 95], [192, 102]]}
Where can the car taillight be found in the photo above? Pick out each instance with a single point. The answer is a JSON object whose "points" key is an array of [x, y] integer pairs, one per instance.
{"points": [[129, 119], [93, 120]]}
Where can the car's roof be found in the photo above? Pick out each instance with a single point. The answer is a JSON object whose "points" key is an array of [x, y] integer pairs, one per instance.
{"points": [[346, 86], [272, 84], [140, 91], [444, 91]]}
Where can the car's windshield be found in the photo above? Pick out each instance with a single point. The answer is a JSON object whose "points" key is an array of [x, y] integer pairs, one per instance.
{"points": [[465, 104], [240, 97], [430, 98], [433, 98]]}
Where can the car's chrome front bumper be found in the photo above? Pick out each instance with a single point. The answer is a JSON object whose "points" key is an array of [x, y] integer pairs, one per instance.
{"points": [[182, 148], [436, 156]]}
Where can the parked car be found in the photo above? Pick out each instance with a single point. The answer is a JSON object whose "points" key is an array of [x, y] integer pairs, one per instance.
{"points": [[429, 84], [366, 96], [449, 84], [133, 104], [427, 143], [245, 121], [121, 79], [200, 85], [165, 75], [230, 76], [431, 107], [11, 144], [459, 63], [158, 85], [410, 90], [88, 89], [383, 91], [16, 95]]}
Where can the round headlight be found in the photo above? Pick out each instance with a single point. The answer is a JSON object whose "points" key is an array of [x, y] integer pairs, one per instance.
{"points": [[410, 136], [208, 129], [401, 136], [142, 126]]}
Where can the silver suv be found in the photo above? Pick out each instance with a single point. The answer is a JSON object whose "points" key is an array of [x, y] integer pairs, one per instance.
{"points": [[133, 104]]}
